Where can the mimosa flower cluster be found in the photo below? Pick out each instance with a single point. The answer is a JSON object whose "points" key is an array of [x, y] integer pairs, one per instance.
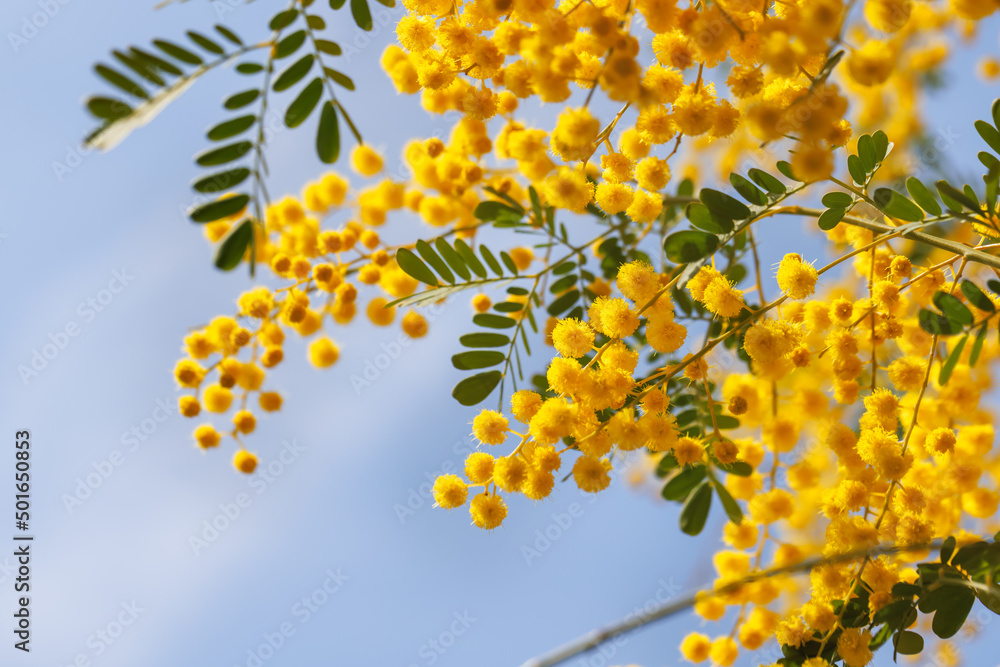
{"points": [[845, 413], [326, 275]]}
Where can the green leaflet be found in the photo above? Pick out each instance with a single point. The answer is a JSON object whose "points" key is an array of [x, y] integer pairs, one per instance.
{"points": [[414, 267], [476, 388], [230, 128], [362, 15], [694, 513], [473, 360], [233, 245], [220, 208], [301, 108], [690, 246], [328, 134], [896, 205]]}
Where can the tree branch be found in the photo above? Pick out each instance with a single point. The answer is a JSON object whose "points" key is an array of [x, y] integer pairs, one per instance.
{"points": [[595, 638]]}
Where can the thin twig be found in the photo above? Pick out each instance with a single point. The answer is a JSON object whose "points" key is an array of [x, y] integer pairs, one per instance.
{"points": [[595, 638]]}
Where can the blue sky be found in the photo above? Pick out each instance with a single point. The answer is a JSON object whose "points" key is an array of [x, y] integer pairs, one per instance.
{"points": [[314, 552]]}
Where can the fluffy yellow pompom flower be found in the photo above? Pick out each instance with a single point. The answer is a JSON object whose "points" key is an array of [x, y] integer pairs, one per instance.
{"points": [[796, 278], [688, 450], [731, 564], [989, 68], [479, 467], [207, 436], [741, 535], [481, 303], [592, 475], [883, 405], [614, 197], [574, 135], [617, 168], [568, 188], [217, 398], [665, 336], [745, 81], [250, 377], [769, 340], [793, 631], [656, 124], [812, 162], [524, 404], [510, 473], [981, 503], [522, 257], [885, 294], [941, 440], [566, 376], [449, 491], [245, 462], [888, 15], [323, 353], [652, 174], [724, 651], [572, 338], [490, 427], [188, 373], [638, 281], [711, 609], [771, 506], [488, 512], [700, 281], [633, 145], [907, 373], [872, 64], [722, 298], [244, 421], [188, 406], [270, 401], [816, 662], [365, 160], [973, 9], [694, 112], [882, 451], [414, 324], [615, 318], [900, 267], [546, 458], [696, 647], [538, 484], [620, 356], [852, 645], [198, 345], [379, 314], [645, 207]]}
